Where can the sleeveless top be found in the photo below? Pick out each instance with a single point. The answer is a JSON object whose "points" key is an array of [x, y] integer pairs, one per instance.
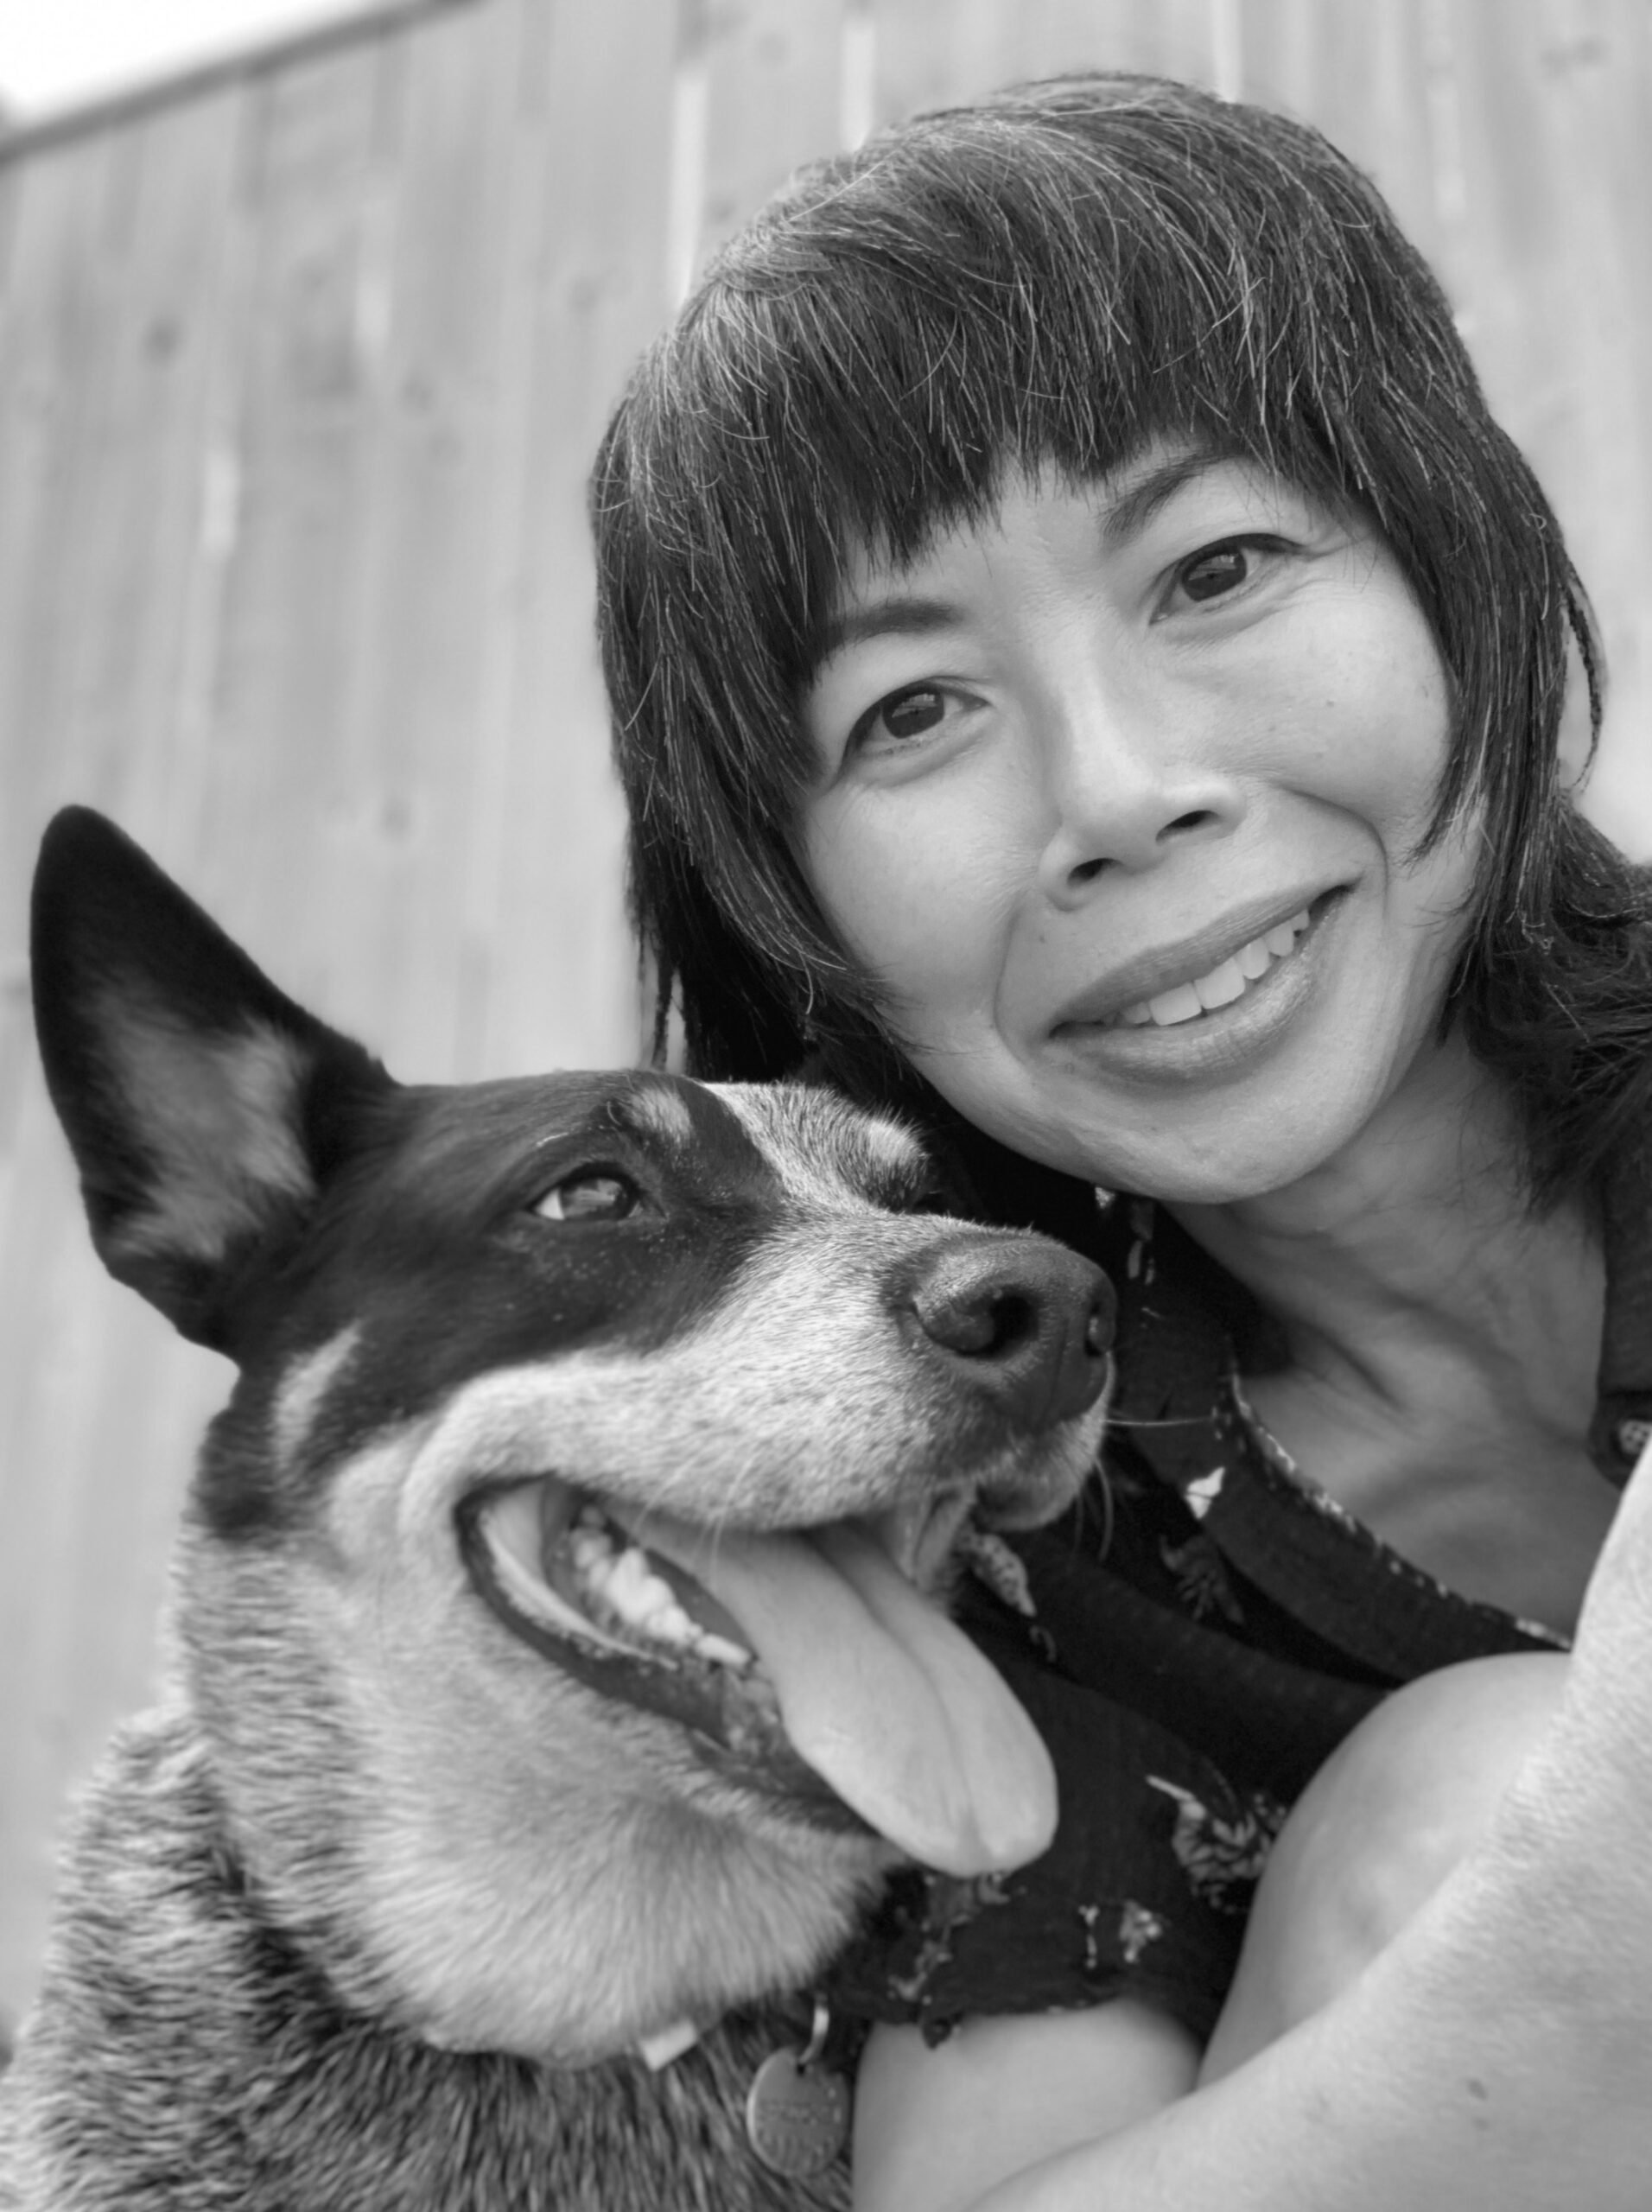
{"points": [[1193, 1641]]}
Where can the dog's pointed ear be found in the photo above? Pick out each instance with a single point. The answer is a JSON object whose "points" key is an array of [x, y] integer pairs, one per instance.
{"points": [[205, 1109]]}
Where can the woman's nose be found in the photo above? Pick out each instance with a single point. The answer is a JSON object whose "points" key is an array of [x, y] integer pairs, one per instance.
{"points": [[1126, 787]]}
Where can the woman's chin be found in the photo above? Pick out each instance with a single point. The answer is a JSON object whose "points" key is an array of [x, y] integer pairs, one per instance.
{"points": [[1191, 1166]]}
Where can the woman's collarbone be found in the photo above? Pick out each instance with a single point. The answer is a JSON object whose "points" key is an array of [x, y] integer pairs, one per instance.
{"points": [[1496, 1504]]}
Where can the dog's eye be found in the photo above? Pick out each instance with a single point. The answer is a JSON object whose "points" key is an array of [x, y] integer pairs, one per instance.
{"points": [[594, 1194]]}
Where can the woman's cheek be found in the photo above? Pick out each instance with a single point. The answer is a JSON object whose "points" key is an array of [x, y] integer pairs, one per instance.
{"points": [[917, 890]]}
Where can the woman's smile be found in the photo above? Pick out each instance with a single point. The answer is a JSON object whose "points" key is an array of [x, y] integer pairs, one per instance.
{"points": [[1200, 976], [1120, 799], [1211, 1023]]}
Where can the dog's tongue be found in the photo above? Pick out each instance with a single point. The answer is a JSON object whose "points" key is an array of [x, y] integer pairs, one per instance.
{"points": [[879, 1692]]}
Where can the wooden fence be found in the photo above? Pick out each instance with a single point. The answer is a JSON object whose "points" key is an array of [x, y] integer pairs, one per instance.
{"points": [[301, 362]]}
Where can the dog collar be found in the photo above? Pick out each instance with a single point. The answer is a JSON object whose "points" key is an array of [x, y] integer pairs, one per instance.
{"points": [[798, 2108], [666, 2046]]}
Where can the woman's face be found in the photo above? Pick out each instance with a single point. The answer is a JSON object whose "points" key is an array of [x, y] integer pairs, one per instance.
{"points": [[1118, 796]]}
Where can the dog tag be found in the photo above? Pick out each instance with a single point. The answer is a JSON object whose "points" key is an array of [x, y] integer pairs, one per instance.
{"points": [[797, 2110]]}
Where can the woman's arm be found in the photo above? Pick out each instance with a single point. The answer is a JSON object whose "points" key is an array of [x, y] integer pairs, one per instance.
{"points": [[934, 2127], [1498, 2052], [1417, 1787], [1498, 2055]]}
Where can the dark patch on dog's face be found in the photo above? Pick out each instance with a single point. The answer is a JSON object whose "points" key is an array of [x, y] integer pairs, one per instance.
{"points": [[437, 1244]]}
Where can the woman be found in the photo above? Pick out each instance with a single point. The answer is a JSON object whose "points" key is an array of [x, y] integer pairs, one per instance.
{"points": [[1088, 671]]}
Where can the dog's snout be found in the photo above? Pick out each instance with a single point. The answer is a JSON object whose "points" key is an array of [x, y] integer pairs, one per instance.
{"points": [[1028, 1322]]}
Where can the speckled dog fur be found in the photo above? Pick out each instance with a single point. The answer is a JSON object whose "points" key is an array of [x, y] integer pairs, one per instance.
{"points": [[374, 1909]]}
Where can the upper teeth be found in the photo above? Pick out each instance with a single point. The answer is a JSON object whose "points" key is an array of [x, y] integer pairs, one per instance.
{"points": [[621, 1587], [614, 1579], [1225, 982]]}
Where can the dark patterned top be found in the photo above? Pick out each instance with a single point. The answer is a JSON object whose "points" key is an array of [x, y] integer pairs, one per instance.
{"points": [[1193, 1640]]}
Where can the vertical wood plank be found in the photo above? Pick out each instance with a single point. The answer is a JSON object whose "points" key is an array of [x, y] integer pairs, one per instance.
{"points": [[59, 304], [54, 277], [295, 444], [546, 896], [1554, 98], [774, 72], [92, 1461], [923, 61], [1362, 76], [928, 56], [402, 789], [136, 540]]}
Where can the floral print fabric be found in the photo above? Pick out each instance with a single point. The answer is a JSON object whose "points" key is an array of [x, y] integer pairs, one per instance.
{"points": [[1193, 1640]]}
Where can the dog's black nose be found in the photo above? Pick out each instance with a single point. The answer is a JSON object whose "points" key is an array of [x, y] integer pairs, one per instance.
{"points": [[1025, 1317]]}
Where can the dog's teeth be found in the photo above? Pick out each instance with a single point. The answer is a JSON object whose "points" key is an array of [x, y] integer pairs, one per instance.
{"points": [[541, 1604], [631, 1592], [612, 1580], [619, 1584], [634, 1589], [721, 1652], [592, 1553]]}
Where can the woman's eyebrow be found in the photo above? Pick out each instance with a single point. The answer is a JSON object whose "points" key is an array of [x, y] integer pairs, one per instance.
{"points": [[1135, 508], [898, 615]]}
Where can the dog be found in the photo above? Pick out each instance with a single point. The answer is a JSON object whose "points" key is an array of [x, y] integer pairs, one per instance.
{"points": [[556, 1660]]}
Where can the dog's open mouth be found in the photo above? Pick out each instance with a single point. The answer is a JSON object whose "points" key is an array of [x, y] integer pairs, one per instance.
{"points": [[569, 1565], [804, 1663]]}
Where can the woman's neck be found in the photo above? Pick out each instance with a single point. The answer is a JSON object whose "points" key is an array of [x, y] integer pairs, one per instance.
{"points": [[1442, 1340], [1421, 1228]]}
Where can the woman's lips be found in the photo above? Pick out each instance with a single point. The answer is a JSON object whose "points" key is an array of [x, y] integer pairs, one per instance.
{"points": [[1228, 981], [1201, 974]]}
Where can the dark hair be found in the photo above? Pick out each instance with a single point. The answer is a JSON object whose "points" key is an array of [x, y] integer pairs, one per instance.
{"points": [[1049, 279]]}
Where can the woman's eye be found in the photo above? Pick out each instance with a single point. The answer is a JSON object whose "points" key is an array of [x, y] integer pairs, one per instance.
{"points": [[594, 1194], [904, 718], [907, 714], [1207, 575], [1217, 571]]}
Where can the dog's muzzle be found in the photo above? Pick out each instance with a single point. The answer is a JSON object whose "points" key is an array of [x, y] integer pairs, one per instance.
{"points": [[1025, 1322], [805, 1664]]}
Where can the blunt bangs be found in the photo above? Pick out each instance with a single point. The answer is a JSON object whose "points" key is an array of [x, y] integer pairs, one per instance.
{"points": [[1047, 281]]}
